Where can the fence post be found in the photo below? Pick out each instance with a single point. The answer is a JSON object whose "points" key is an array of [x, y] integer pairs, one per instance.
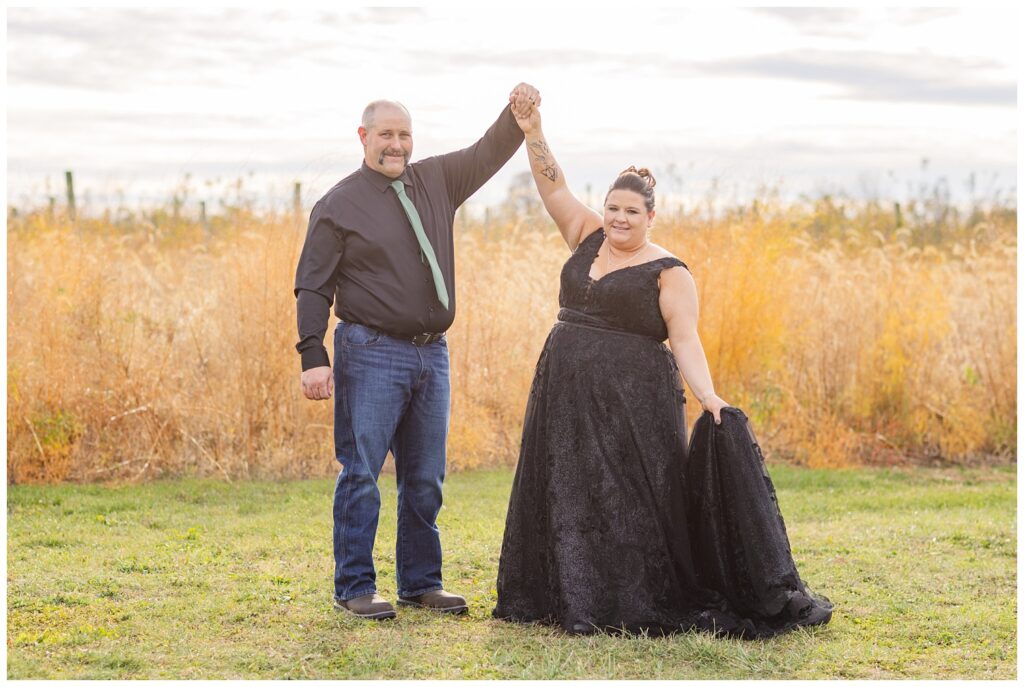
{"points": [[52, 210], [202, 217], [297, 201], [71, 194]]}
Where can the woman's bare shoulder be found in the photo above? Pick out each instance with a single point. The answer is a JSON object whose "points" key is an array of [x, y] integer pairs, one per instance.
{"points": [[659, 253]]}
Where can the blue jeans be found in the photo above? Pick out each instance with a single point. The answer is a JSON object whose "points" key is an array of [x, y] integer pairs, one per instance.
{"points": [[388, 394]]}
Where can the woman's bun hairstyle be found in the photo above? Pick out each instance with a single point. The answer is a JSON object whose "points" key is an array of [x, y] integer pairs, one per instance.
{"points": [[637, 180]]}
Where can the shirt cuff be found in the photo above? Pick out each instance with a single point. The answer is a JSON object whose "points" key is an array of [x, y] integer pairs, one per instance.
{"points": [[315, 357], [511, 125]]}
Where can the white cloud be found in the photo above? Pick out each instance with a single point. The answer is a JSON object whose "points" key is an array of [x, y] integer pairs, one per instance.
{"points": [[149, 95]]}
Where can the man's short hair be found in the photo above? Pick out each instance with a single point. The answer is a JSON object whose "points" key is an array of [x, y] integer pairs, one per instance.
{"points": [[371, 111]]}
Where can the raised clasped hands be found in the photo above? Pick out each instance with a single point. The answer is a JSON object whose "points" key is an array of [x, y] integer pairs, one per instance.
{"points": [[525, 101]]}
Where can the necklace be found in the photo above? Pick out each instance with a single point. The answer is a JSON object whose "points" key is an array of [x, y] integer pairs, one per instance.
{"points": [[609, 264]]}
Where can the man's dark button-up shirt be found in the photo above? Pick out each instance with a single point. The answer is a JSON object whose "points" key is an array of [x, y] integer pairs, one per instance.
{"points": [[361, 252]]}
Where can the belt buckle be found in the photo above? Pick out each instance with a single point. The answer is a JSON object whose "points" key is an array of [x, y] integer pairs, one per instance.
{"points": [[423, 339]]}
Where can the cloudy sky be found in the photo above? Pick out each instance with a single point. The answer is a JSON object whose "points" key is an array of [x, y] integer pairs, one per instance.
{"points": [[808, 100]]}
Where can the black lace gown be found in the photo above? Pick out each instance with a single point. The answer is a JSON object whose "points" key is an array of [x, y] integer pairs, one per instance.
{"points": [[598, 534]]}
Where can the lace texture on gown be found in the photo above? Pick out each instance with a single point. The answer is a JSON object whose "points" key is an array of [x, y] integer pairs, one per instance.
{"points": [[609, 525]]}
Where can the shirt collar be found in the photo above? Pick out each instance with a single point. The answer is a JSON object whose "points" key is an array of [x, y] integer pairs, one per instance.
{"points": [[381, 182]]}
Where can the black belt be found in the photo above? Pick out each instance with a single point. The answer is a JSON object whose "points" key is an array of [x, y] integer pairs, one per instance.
{"points": [[418, 339], [415, 339]]}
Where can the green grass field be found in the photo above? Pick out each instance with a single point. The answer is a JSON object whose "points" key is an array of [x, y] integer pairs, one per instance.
{"points": [[202, 579]]}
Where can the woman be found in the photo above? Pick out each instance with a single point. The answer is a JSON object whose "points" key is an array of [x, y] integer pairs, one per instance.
{"points": [[597, 533]]}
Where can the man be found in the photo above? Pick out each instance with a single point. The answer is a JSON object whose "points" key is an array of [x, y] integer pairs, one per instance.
{"points": [[380, 247]]}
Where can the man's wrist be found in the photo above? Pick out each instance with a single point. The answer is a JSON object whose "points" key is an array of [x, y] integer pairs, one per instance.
{"points": [[315, 357]]}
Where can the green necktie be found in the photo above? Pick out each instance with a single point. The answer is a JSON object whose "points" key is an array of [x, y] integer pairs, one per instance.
{"points": [[421, 236]]}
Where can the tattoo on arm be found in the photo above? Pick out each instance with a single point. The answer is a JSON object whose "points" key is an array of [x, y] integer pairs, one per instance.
{"points": [[543, 160], [540, 148]]}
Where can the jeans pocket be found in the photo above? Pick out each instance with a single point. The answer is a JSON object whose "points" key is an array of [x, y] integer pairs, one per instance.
{"points": [[357, 335]]}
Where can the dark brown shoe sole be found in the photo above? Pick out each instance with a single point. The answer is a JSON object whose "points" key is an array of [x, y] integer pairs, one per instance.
{"points": [[454, 610], [380, 615]]}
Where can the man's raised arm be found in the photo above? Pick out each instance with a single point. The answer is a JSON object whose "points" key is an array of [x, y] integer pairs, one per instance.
{"points": [[468, 169]]}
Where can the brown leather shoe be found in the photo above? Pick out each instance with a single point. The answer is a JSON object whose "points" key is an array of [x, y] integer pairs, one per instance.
{"points": [[438, 600], [369, 606]]}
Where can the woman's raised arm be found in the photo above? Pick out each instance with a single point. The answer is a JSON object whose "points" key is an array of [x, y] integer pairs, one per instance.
{"points": [[574, 219]]}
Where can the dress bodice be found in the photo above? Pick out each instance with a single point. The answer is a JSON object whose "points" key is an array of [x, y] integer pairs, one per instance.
{"points": [[625, 299]]}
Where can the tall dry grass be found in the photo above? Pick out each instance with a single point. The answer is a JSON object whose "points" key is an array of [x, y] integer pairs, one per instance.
{"points": [[860, 350], [147, 345]]}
